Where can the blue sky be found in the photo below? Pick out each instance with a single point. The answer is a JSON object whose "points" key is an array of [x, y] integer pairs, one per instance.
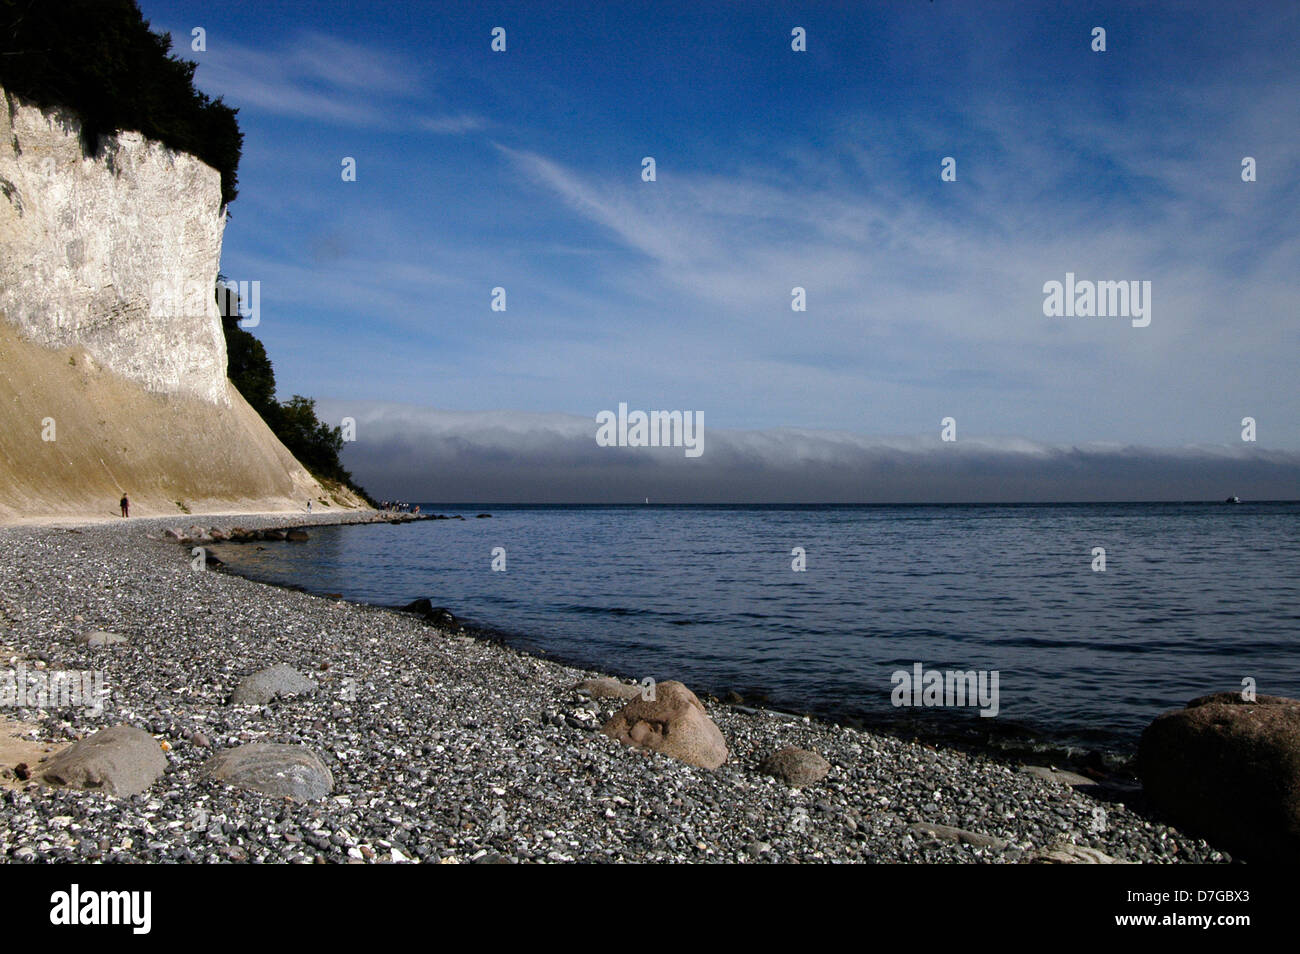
{"points": [[775, 169]]}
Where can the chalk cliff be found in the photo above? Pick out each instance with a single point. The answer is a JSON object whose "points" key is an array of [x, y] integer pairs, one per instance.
{"points": [[112, 358]]}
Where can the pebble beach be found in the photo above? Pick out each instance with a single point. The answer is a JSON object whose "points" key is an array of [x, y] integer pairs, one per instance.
{"points": [[444, 747]]}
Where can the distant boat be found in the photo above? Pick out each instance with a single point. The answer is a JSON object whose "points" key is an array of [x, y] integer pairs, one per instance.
{"points": [[647, 500], [1233, 499]]}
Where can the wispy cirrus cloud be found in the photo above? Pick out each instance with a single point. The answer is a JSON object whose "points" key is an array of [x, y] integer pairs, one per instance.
{"points": [[929, 288], [452, 125], [321, 78], [522, 170], [312, 76]]}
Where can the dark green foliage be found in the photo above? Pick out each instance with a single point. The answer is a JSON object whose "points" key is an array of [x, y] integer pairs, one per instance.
{"points": [[249, 369], [100, 60], [314, 443]]}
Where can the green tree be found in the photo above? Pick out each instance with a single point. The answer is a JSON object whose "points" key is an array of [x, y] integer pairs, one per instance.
{"points": [[247, 364], [100, 60], [312, 442]]}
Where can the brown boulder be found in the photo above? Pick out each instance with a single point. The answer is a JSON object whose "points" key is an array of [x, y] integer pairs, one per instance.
{"points": [[121, 760], [674, 723], [1229, 770]]}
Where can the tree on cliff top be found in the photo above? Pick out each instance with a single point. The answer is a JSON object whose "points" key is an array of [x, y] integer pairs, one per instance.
{"points": [[99, 59]]}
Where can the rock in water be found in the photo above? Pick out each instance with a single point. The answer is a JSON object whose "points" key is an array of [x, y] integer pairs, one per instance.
{"points": [[433, 614], [292, 771], [796, 767], [121, 760], [1230, 770], [263, 686], [297, 536], [674, 724], [607, 688]]}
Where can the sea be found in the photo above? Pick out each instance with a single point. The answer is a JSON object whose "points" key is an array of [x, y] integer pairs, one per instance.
{"points": [[1095, 617]]}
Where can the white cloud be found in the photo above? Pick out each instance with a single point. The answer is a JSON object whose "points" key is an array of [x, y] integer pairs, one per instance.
{"points": [[423, 453]]}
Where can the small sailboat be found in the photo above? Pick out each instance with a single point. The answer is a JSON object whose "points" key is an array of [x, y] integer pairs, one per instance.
{"points": [[1233, 499]]}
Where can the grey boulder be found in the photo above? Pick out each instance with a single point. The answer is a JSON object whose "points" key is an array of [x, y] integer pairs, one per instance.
{"points": [[286, 771], [796, 767], [261, 687]]}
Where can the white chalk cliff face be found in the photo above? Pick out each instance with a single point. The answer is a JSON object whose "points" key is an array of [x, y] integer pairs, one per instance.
{"points": [[112, 358], [116, 255]]}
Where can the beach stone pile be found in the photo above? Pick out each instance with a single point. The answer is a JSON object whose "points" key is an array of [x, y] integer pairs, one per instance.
{"points": [[416, 742]]}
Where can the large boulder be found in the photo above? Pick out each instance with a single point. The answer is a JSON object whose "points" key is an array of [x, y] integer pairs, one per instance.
{"points": [[121, 760], [283, 771], [1229, 769], [261, 687], [674, 723]]}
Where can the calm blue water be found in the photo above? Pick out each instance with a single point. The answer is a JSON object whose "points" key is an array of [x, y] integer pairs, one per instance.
{"points": [[1193, 599]]}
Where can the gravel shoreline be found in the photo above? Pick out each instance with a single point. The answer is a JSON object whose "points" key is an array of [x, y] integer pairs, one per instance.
{"points": [[447, 748]]}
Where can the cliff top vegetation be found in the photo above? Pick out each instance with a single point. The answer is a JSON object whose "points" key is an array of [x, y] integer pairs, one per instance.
{"points": [[100, 60]]}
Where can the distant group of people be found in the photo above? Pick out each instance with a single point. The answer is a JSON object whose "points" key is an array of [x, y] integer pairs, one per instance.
{"points": [[398, 506]]}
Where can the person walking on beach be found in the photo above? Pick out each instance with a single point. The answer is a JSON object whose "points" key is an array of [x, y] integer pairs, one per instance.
{"points": [[309, 506], [125, 504]]}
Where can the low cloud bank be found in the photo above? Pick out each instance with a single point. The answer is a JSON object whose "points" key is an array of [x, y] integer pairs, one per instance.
{"points": [[415, 453]]}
